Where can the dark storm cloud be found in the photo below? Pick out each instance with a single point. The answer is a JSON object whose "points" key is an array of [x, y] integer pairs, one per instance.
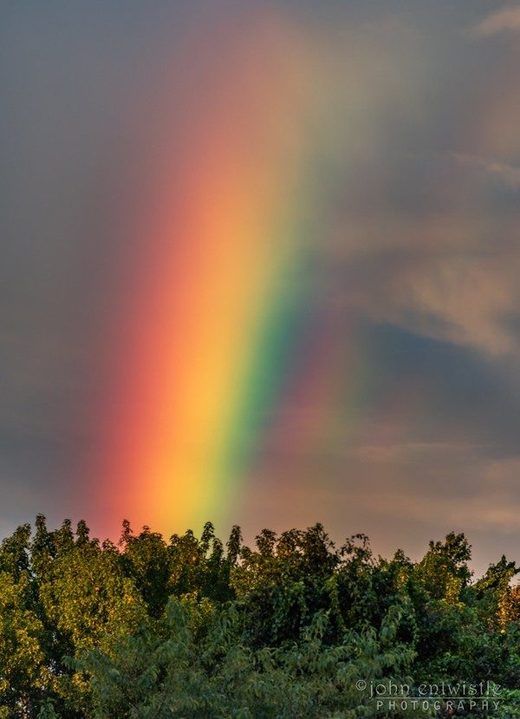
{"points": [[460, 388]]}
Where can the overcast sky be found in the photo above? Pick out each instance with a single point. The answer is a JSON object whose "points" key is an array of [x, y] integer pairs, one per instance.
{"points": [[415, 263]]}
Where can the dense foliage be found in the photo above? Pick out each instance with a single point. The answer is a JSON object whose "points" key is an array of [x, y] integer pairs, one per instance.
{"points": [[294, 628]]}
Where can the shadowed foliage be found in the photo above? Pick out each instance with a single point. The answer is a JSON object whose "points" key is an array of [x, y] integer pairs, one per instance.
{"points": [[292, 627]]}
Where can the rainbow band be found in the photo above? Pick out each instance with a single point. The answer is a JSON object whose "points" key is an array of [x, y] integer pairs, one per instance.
{"points": [[219, 293]]}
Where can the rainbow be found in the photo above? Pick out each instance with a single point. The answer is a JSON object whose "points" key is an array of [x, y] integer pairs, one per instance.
{"points": [[218, 287]]}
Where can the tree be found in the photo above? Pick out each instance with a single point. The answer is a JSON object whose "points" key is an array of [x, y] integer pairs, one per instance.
{"points": [[192, 628], [24, 675]]}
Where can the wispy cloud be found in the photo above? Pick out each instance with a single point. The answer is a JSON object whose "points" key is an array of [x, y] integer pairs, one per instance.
{"points": [[407, 451], [506, 19], [508, 174], [471, 297]]}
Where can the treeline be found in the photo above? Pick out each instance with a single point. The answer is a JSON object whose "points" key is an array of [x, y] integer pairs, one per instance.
{"points": [[294, 628]]}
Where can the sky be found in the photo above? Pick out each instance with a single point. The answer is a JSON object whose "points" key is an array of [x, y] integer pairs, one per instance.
{"points": [[259, 265]]}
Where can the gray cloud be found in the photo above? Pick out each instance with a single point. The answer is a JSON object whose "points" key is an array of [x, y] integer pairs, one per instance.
{"points": [[413, 232], [506, 19], [508, 174]]}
